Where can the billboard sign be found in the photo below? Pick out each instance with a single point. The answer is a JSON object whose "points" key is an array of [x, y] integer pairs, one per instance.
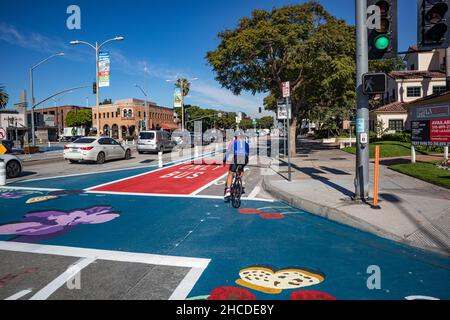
{"points": [[104, 69], [431, 132]]}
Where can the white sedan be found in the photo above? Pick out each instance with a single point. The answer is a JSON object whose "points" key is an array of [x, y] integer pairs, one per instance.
{"points": [[14, 166], [96, 149]]}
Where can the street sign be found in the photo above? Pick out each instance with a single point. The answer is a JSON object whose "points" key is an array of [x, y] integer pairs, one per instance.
{"points": [[2, 134], [286, 88], [374, 83], [282, 112]]}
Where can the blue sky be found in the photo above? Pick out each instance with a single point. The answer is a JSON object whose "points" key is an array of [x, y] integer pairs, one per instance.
{"points": [[171, 38]]}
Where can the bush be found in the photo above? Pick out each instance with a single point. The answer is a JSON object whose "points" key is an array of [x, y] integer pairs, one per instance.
{"points": [[399, 137], [430, 149]]}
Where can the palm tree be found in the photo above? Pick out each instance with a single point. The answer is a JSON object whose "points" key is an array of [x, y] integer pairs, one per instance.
{"points": [[4, 97], [185, 84]]}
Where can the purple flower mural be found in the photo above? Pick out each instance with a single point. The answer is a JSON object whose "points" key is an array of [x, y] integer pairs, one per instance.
{"points": [[37, 226], [15, 194]]}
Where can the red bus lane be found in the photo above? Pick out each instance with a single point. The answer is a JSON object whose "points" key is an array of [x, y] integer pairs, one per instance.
{"points": [[182, 179]]}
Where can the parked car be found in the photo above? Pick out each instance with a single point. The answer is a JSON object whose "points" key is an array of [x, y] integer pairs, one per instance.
{"points": [[154, 141], [8, 144], [14, 166], [96, 149]]}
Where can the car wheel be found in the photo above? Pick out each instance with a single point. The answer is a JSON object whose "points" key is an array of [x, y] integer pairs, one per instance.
{"points": [[127, 154], [73, 161], [140, 152], [101, 158], [13, 169]]}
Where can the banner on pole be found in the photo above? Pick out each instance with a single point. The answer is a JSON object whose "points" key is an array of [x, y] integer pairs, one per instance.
{"points": [[178, 99], [104, 69]]}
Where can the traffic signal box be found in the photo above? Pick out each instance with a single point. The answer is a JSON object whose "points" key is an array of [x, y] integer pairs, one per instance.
{"points": [[383, 40], [433, 24]]}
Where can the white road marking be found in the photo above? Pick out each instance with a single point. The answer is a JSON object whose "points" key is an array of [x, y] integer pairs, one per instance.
{"points": [[30, 189], [105, 171], [53, 286], [255, 192], [19, 295], [105, 255], [206, 186], [173, 196], [174, 164], [198, 265]]}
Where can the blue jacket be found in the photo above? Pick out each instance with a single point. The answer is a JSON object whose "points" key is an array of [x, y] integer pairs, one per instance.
{"points": [[238, 147]]}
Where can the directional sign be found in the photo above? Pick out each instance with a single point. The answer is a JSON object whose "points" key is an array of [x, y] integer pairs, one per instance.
{"points": [[2, 134], [374, 83], [3, 150], [286, 87]]}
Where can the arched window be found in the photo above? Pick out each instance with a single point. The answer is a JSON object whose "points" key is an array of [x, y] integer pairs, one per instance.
{"points": [[130, 113]]}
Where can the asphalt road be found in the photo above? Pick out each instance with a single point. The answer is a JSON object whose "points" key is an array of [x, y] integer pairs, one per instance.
{"points": [[131, 230]]}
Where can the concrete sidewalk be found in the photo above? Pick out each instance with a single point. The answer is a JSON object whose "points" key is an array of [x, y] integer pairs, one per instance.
{"points": [[412, 211]]}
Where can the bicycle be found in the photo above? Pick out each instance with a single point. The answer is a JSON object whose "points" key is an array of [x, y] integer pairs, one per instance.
{"points": [[237, 189]]}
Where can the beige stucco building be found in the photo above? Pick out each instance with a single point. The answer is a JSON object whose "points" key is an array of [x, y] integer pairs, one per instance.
{"points": [[425, 76], [125, 118]]}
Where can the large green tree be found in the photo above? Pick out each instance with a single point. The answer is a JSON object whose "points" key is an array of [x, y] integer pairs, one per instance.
{"points": [[79, 118], [302, 44], [4, 97]]}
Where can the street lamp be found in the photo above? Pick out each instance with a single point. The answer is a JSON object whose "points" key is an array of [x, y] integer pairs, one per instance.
{"points": [[32, 91], [145, 108], [182, 83], [97, 47]]}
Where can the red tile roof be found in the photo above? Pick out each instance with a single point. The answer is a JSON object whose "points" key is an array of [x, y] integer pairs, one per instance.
{"points": [[395, 107], [415, 74]]}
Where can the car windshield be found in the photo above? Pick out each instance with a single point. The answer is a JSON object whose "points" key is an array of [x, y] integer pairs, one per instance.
{"points": [[85, 141], [147, 136]]}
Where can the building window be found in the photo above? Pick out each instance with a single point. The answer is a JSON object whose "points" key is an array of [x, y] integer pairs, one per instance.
{"points": [[139, 114], [414, 92], [396, 125], [439, 89], [95, 116], [413, 67]]}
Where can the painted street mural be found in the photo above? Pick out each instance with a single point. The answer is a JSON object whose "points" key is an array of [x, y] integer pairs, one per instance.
{"points": [[37, 226]]}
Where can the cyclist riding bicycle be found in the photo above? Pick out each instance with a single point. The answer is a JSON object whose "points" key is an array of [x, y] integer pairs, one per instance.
{"points": [[238, 156]]}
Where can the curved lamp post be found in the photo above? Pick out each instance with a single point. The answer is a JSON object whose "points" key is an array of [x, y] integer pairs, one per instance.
{"points": [[97, 47], [32, 92]]}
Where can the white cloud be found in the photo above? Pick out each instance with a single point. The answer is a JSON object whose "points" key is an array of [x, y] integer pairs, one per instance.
{"points": [[222, 98]]}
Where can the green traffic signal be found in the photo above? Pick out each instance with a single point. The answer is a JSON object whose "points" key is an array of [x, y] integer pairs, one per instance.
{"points": [[382, 42]]}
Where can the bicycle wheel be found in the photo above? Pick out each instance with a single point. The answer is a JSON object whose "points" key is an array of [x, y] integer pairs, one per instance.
{"points": [[237, 193]]}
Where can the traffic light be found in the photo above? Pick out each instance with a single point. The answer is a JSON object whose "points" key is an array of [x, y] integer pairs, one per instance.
{"points": [[374, 83], [433, 28], [383, 37], [94, 88]]}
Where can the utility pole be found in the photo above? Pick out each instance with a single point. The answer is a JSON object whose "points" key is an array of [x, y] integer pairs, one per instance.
{"points": [[362, 115], [447, 71]]}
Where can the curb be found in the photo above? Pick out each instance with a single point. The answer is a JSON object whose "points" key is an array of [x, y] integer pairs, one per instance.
{"points": [[341, 217]]}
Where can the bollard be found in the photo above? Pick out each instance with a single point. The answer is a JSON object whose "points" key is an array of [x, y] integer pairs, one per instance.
{"points": [[196, 153], [413, 154], [377, 177], [160, 159], [2, 173]]}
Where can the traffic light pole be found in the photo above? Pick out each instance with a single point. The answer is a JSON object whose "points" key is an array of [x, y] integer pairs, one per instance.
{"points": [[362, 101]]}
